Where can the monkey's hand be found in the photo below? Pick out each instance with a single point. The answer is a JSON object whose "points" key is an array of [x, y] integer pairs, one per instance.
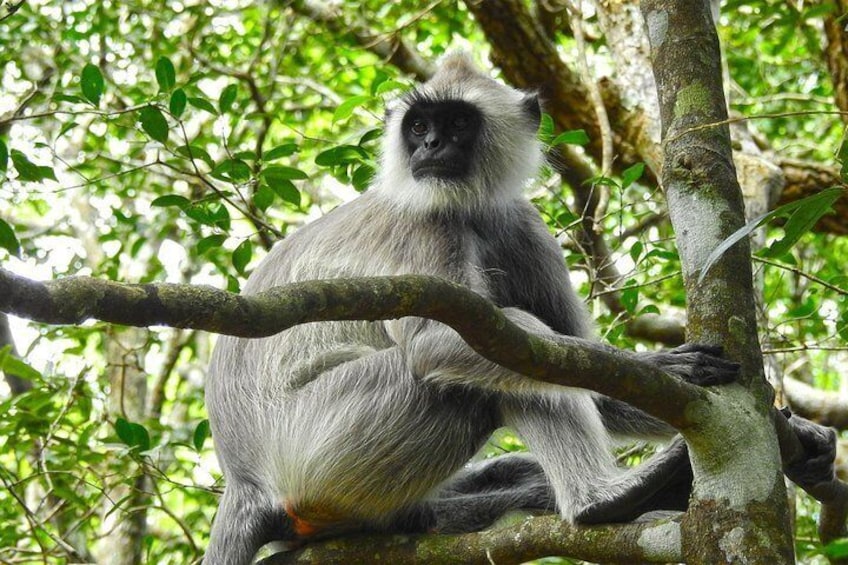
{"points": [[819, 444], [695, 363]]}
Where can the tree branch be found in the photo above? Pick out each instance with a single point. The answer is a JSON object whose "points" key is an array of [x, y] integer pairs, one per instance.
{"points": [[651, 542], [569, 362], [389, 47]]}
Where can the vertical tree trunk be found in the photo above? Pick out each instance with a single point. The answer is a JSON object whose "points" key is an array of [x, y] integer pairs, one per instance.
{"points": [[739, 511], [124, 528]]}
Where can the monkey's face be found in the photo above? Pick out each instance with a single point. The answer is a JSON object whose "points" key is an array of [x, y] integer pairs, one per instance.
{"points": [[441, 138]]}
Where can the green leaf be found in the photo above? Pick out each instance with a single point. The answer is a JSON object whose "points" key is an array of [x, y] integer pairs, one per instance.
{"points": [[228, 96], [91, 83], [379, 78], [636, 251], [72, 98], [571, 137], [632, 174], [194, 152], [242, 256], [802, 221], [201, 432], [347, 107], [341, 155], [177, 103], [389, 86], [171, 200], [166, 76], [8, 240], [842, 157], [630, 296], [233, 170], [154, 123], [132, 434], [202, 104], [280, 151], [66, 128], [281, 172], [263, 197], [837, 549], [828, 196], [15, 366], [4, 156], [546, 128], [370, 135], [362, 177], [210, 242], [29, 171], [285, 189], [246, 155]]}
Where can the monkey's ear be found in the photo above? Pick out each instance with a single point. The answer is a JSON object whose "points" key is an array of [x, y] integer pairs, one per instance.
{"points": [[531, 105]]}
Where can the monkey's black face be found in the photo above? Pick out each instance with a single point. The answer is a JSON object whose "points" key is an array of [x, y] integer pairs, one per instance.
{"points": [[441, 137]]}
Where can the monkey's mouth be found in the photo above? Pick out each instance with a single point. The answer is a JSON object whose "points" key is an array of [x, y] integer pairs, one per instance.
{"points": [[439, 169]]}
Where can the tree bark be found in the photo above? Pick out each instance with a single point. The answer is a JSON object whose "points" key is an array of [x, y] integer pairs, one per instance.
{"points": [[738, 512]]}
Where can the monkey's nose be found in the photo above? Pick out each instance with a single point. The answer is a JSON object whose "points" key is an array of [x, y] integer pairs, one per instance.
{"points": [[432, 142]]}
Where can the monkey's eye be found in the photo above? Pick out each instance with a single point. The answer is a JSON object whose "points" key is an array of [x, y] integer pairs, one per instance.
{"points": [[418, 127], [461, 122]]}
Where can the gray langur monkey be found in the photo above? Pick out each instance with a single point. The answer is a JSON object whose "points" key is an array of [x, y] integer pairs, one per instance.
{"points": [[335, 427]]}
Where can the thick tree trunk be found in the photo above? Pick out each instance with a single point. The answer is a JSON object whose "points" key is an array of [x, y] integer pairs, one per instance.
{"points": [[738, 513]]}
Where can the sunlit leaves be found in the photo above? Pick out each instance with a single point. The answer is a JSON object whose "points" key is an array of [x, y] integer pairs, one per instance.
{"points": [[12, 365], [280, 178], [801, 216], [194, 152], [281, 151], [29, 171], [8, 240], [202, 104], [91, 83], [242, 255], [132, 434], [341, 155], [210, 242], [282, 172], [201, 432], [227, 98], [233, 170], [631, 174], [346, 108], [171, 200], [177, 103], [166, 76], [154, 123], [571, 137]]}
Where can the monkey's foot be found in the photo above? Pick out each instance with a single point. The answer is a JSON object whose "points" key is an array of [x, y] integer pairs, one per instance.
{"points": [[664, 482]]}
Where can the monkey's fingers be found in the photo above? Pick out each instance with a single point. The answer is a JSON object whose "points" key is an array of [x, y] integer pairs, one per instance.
{"points": [[698, 364]]}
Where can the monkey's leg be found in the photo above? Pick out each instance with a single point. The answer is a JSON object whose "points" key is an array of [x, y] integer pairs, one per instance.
{"points": [[565, 433], [246, 520], [480, 494], [663, 482]]}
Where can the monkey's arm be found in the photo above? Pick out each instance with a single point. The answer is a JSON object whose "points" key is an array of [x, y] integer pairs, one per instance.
{"points": [[436, 352]]}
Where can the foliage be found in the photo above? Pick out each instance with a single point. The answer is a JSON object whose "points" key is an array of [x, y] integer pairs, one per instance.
{"points": [[176, 141]]}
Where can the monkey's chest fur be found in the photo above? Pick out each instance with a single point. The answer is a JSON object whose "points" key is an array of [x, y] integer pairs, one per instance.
{"points": [[326, 393]]}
